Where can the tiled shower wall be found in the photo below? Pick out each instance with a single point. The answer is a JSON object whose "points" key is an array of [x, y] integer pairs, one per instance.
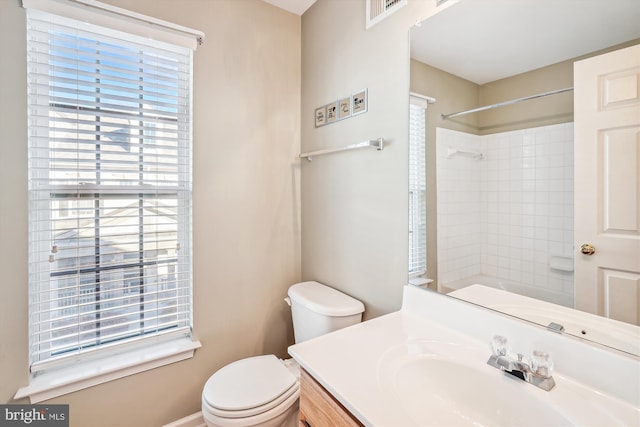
{"points": [[460, 204], [508, 215]]}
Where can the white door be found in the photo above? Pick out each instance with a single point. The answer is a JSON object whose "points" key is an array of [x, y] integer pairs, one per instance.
{"points": [[607, 184]]}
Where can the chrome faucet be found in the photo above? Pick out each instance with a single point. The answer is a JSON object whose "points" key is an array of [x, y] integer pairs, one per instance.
{"points": [[536, 371]]}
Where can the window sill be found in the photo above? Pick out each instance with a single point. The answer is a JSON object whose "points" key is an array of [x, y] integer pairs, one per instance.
{"points": [[90, 373], [420, 281]]}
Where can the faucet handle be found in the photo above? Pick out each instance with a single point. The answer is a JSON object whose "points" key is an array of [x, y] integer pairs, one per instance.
{"points": [[541, 364], [499, 346]]}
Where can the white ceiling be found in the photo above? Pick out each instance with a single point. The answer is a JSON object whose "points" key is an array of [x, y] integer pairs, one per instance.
{"points": [[294, 6], [487, 40]]}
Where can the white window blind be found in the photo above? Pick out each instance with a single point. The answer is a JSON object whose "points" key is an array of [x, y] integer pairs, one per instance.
{"points": [[417, 188], [109, 189]]}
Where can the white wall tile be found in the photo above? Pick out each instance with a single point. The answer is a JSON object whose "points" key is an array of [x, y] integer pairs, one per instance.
{"points": [[506, 214]]}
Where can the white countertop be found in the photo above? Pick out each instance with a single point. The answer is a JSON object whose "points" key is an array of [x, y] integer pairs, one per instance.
{"points": [[350, 364], [346, 363]]}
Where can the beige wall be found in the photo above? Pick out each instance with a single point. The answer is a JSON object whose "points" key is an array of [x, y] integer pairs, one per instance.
{"points": [[545, 111], [455, 94], [246, 224], [452, 94], [538, 112], [354, 204], [14, 359]]}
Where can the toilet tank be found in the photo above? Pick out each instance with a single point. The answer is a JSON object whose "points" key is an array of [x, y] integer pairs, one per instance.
{"points": [[318, 309]]}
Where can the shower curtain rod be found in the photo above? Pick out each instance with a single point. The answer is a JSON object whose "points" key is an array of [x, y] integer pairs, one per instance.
{"points": [[505, 103]]}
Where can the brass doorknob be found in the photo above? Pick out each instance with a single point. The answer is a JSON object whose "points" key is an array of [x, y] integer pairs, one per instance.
{"points": [[587, 249]]}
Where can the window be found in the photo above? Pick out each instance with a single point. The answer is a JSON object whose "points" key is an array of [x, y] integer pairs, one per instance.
{"points": [[417, 188], [109, 189]]}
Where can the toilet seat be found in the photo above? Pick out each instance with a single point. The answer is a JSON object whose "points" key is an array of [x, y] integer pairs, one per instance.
{"points": [[292, 392], [250, 387], [272, 418]]}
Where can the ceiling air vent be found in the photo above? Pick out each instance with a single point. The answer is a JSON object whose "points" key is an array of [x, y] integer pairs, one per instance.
{"points": [[377, 10]]}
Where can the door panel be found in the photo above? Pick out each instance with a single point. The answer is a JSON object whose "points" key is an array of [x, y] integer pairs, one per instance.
{"points": [[607, 184], [618, 154], [620, 295]]}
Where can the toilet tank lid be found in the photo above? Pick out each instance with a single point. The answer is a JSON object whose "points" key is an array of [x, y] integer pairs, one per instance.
{"points": [[324, 300]]}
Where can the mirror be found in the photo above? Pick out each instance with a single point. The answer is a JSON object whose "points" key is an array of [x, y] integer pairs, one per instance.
{"points": [[499, 182]]}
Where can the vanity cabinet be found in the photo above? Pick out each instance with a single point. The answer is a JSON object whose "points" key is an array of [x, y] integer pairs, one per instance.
{"points": [[318, 408]]}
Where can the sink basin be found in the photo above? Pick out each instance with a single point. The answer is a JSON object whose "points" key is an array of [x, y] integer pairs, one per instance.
{"points": [[445, 384]]}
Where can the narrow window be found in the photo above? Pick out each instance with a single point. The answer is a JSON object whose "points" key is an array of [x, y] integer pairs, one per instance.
{"points": [[417, 188], [109, 189]]}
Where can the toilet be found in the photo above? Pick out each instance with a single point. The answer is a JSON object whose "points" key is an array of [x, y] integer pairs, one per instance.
{"points": [[263, 390]]}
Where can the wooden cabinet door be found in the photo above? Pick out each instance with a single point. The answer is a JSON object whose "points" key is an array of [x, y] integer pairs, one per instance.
{"points": [[318, 408]]}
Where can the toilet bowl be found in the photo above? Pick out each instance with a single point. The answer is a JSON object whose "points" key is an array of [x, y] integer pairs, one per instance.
{"points": [[260, 390], [264, 390]]}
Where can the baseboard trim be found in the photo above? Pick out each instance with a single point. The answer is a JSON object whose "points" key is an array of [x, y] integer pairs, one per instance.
{"points": [[193, 420]]}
